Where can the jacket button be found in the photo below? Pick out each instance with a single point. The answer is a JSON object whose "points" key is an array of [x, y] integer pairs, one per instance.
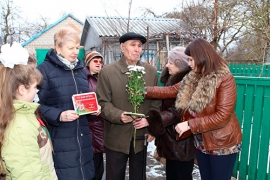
{"points": [[81, 134]]}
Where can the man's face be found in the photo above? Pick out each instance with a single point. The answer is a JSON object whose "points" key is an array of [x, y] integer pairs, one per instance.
{"points": [[132, 50]]}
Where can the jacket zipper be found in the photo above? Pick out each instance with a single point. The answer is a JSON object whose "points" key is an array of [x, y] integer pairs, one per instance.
{"points": [[78, 124]]}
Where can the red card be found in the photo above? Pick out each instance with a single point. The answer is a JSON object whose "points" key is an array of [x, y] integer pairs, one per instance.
{"points": [[85, 103]]}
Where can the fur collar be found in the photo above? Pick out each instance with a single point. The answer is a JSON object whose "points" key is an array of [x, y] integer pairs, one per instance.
{"points": [[196, 92], [177, 77]]}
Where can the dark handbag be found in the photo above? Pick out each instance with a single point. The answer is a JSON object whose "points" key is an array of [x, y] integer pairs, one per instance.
{"points": [[170, 127], [185, 117]]}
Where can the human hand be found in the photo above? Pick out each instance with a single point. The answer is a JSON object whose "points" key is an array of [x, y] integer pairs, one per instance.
{"points": [[68, 116], [150, 138], [181, 128], [145, 92], [126, 118], [98, 112], [140, 123]]}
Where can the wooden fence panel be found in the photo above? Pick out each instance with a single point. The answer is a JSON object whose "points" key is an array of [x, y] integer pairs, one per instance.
{"points": [[265, 134], [250, 70], [246, 130], [255, 137], [252, 109], [240, 97]]}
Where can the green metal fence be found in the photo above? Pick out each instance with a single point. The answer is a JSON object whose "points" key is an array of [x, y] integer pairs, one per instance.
{"points": [[253, 103], [41, 54], [252, 109], [254, 70]]}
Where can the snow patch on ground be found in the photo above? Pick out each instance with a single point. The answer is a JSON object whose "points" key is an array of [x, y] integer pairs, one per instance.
{"points": [[156, 170]]}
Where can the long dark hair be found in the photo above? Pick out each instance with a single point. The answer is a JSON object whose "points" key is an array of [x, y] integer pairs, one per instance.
{"points": [[10, 80], [205, 57]]}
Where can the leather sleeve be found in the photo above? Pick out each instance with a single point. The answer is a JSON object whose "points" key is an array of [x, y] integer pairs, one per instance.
{"points": [[165, 92]]}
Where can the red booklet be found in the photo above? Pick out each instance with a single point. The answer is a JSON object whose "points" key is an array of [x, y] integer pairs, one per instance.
{"points": [[85, 103]]}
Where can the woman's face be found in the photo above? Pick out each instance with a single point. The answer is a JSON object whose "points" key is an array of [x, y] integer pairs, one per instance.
{"points": [[95, 65], [172, 68], [191, 63], [69, 50]]}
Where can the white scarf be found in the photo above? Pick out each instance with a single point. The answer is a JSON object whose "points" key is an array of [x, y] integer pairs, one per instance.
{"points": [[69, 64]]}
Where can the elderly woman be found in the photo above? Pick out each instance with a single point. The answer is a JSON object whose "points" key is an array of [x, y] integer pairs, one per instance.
{"points": [[64, 76], [207, 96], [179, 154], [93, 64]]}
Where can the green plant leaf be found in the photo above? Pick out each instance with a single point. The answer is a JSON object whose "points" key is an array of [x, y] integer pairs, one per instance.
{"points": [[135, 89]]}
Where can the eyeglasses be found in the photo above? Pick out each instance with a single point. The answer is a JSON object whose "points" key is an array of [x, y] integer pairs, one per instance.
{"points": [[98, 61]]}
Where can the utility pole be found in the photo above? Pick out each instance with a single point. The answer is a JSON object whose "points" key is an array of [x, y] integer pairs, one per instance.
{"points": [[129, 11], [147, 43], [215, 24]]}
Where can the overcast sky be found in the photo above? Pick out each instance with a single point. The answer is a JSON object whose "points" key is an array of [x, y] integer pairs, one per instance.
{"points": [[54, 9]]}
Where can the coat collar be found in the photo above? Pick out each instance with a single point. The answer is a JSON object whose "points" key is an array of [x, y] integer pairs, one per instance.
{"points": [[88, 73], [86, 68], [25, 107], [52, 57], [196, 92], [123, 65]]}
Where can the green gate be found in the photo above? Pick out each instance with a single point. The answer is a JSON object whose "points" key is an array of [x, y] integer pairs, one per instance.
{"points": [[253, 112], [254, 70], [252, 109], [41, 54]]}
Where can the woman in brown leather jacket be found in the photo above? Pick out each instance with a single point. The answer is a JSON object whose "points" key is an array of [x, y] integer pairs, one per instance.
{"points": [[179, 154], [207, 95], [93, 64]]}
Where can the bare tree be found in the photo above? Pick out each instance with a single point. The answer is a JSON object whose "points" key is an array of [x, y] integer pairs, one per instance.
{"points": [[257, 16], [29, 28], [238, 29], [8, 15], [148, 12], [216, 21], [14, 27], [129, 11]]}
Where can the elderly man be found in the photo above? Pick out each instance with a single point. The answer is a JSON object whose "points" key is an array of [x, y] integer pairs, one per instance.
{"points": [[113, 98]]}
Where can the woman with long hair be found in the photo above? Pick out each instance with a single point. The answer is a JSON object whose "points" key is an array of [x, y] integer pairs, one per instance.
{"points": [[206, 97], [179, 153]]}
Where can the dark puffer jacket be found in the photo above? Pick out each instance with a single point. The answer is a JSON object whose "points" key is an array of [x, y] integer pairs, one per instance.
{"points": [[167, 146], [96, 123], [72, 142]]}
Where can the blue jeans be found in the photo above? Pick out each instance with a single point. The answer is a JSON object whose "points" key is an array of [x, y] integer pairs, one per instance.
{"points": [[215, 167]]}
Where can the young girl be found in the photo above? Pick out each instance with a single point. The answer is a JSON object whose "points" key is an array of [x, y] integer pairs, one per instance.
{"points": [[26, 151]]}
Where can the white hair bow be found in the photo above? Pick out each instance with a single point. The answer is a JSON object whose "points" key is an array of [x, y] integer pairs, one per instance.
{"points": [[12, 55]]}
